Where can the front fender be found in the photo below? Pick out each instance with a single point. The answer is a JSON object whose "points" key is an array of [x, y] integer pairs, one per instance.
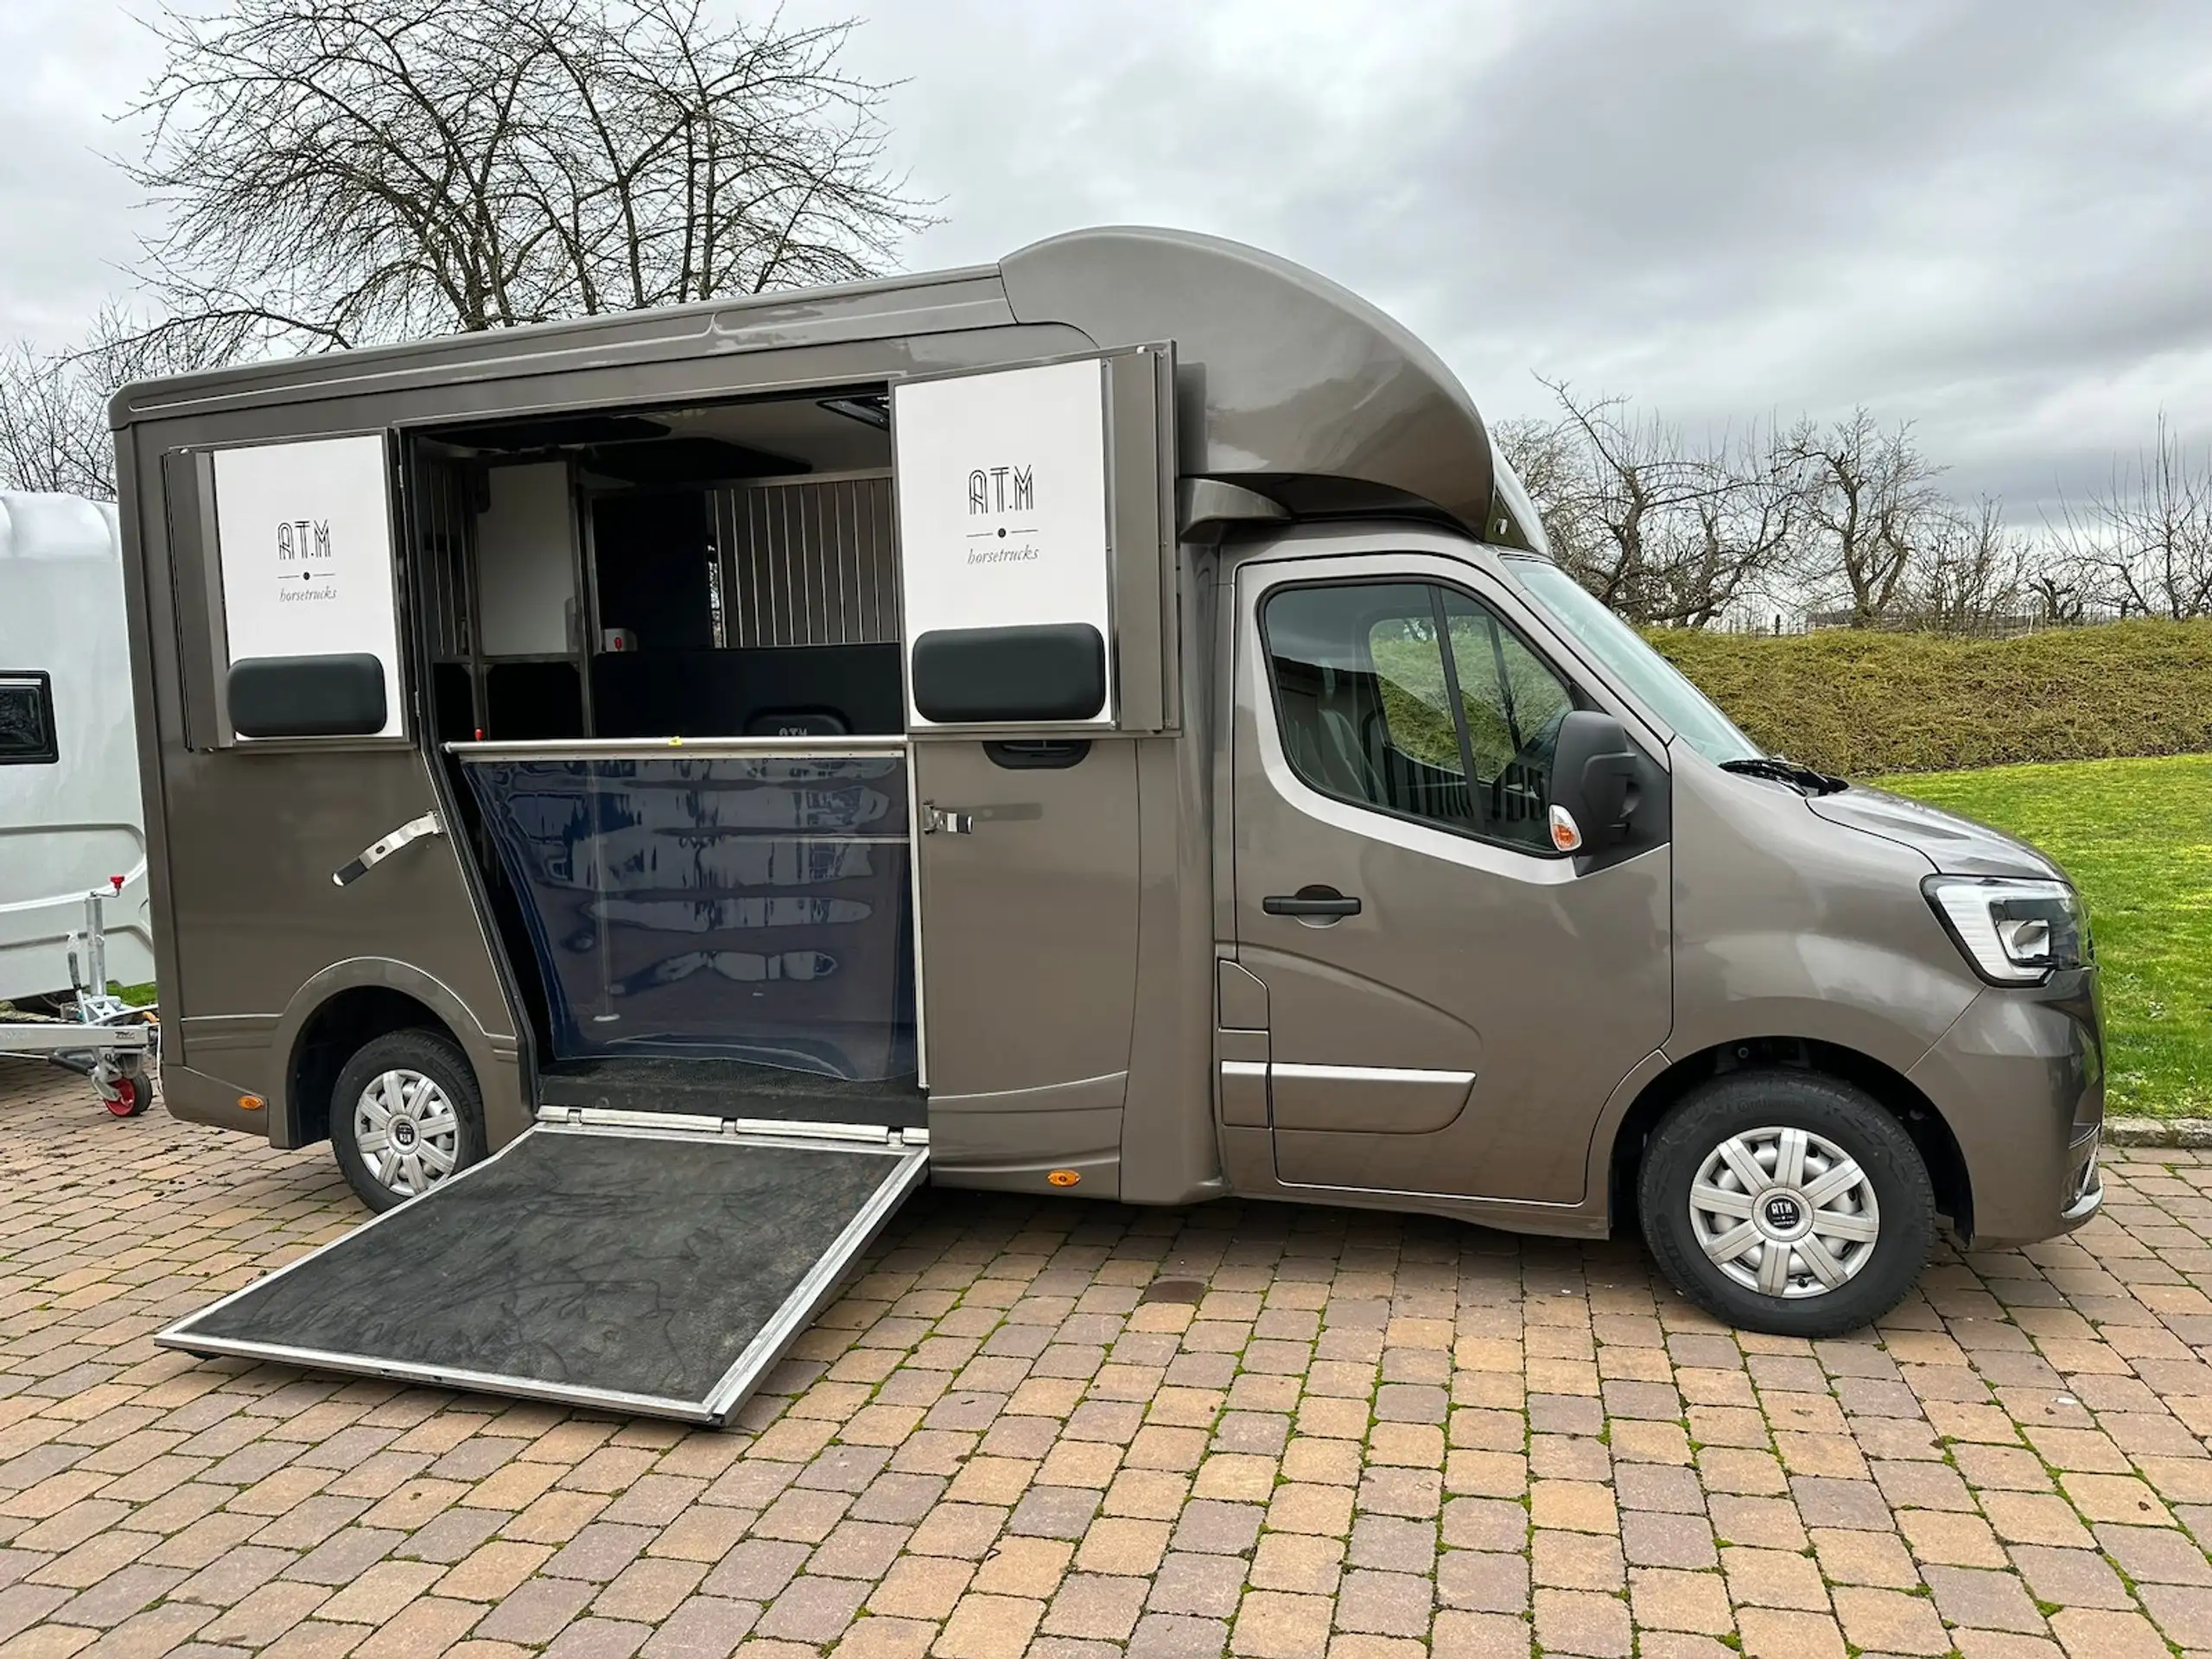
{"points": [[1858, 994]]}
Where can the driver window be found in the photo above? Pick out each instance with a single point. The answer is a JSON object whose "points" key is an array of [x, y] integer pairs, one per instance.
{"points": [[1359, 677], [1366, 679]]}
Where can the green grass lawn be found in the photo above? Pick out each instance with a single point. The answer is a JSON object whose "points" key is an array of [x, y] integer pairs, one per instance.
{"points": [[2136, 835]]}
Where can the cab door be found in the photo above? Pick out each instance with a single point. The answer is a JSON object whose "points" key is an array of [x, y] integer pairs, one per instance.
{"points": [[1450, 1001]]}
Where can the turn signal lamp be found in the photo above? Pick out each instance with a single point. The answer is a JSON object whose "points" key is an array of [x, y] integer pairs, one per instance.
{"points": [[1566, 834], [1064, 1178]]}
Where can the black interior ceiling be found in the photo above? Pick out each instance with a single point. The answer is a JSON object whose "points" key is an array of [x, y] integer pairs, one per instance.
{"points": [[633, 449], [554, 432], [692, 461]]}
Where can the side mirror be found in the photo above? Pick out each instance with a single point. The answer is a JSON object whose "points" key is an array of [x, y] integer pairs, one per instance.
{"points": [[1593, 792]]}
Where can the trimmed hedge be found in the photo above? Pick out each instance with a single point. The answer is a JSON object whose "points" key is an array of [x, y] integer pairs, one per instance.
{"points": [[1862, 703]]}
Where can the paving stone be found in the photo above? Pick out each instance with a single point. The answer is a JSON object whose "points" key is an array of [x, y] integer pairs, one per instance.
{"points": [[1374, 1437], [1984, 1600], [2154, 1555], [1666, 1599], [1207, 1586]]}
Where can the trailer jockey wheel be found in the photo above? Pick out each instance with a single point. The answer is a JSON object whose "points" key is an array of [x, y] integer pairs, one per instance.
{"points": [[124, 1097]]}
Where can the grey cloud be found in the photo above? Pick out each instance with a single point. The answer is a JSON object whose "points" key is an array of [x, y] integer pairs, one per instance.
{"points": [[1991, 217]]}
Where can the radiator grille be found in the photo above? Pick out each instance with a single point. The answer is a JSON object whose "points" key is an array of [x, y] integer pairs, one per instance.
{"points": [[808, 562]]}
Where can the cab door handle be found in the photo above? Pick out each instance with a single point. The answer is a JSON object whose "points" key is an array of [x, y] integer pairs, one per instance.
{"points": [[1310, 901]]}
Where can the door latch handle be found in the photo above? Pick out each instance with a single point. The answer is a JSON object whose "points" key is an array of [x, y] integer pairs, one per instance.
{"points": [[1310, 901], [946, 821], [375, 853]]}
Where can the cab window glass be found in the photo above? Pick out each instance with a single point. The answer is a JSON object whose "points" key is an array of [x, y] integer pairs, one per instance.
{"points": [[1360, 681], [1513, 705], [1411, 698]]}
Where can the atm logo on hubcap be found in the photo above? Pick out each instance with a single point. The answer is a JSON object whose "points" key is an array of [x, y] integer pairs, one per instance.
{"points": [[1783, 1213]]}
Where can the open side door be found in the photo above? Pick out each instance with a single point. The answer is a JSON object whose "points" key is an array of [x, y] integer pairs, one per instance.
{"points": [[617, 1260], [1037, 558]]}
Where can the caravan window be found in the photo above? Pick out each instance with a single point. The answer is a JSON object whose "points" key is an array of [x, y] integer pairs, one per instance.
{"points": [[26, 736]]}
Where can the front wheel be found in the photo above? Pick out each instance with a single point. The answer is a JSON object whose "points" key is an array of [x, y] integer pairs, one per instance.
{"points": [[1787, 1203], [405, 1116]]}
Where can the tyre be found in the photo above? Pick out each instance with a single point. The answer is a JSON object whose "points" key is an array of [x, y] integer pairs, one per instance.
{"points": [[1786, 1202], [404, 1116]]}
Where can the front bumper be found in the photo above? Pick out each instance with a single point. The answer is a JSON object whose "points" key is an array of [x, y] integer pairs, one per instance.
{"points": [[2020, 1080]]}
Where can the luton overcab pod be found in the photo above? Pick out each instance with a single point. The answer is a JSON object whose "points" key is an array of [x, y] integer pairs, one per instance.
{"points": [[651, 791]]}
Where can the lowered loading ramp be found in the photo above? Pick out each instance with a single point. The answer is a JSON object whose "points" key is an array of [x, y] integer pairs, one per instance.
{"points": [[631, 1261]]}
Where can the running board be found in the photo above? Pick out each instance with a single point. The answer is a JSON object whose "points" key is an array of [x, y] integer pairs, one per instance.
{"points": [[626, 1260]]}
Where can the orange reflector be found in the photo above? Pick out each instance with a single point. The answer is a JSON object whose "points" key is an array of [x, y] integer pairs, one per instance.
{"points": [[1064, 1178], [251, 1103]]}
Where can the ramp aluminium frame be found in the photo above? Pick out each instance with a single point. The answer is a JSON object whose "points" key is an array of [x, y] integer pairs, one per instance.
{"points": [[624, 1261]]}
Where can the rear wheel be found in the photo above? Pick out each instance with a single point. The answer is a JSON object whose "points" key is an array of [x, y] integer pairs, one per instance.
{"points": [[1786, 1202], [405, 1116]]}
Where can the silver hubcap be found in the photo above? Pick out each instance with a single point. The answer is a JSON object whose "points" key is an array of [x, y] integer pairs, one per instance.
{"points": [[408, 1132], [1784, 1213]]}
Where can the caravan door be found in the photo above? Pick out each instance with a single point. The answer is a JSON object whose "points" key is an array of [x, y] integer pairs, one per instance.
{"points": [[1036, 555]]}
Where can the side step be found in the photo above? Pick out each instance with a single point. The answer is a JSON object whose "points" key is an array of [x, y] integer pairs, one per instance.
{"points": [[626, 1260]]}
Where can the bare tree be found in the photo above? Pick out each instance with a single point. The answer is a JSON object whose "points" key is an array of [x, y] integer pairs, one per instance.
{"points": [[333, 172], [2058, 594], [1870, 506], [1548, 461], [54, 429], [1663, 531], [2144, 545], [49, 425], [1972, 573]]}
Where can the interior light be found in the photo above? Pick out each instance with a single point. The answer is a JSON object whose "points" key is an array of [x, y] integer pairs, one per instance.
{"points": [[871, 411]]}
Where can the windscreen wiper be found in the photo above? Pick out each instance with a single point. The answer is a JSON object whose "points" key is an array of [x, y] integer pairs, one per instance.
{"points": [[1785, 772]]}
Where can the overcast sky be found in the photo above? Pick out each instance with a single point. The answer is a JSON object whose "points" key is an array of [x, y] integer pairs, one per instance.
{"points": [[1992, 218]]}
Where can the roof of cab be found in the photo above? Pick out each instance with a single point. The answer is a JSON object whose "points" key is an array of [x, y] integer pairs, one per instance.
{"points": [[1287, 383]]}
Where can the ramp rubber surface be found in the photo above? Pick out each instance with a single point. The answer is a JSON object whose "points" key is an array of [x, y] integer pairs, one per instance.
{"points": [[662, 1273]]}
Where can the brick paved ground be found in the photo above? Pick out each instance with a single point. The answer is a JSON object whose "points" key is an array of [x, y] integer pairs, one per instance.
{"points": [[1370, 1434]]}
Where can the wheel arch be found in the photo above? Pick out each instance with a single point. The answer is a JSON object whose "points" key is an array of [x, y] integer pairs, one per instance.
{"points": [[1889, 1088], [345, 1005]]}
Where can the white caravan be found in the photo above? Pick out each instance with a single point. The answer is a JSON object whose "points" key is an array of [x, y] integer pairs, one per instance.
{"points": [[69, 812]]}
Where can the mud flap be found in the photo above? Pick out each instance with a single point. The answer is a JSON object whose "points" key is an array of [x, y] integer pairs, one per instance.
{"points": [[625, 1260]]}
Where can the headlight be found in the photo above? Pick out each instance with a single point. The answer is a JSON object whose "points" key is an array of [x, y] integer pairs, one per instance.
{"points": [[2014, 932]]}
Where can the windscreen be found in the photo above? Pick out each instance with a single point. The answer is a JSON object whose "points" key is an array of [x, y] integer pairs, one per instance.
{"points": [[1654, 680]]}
